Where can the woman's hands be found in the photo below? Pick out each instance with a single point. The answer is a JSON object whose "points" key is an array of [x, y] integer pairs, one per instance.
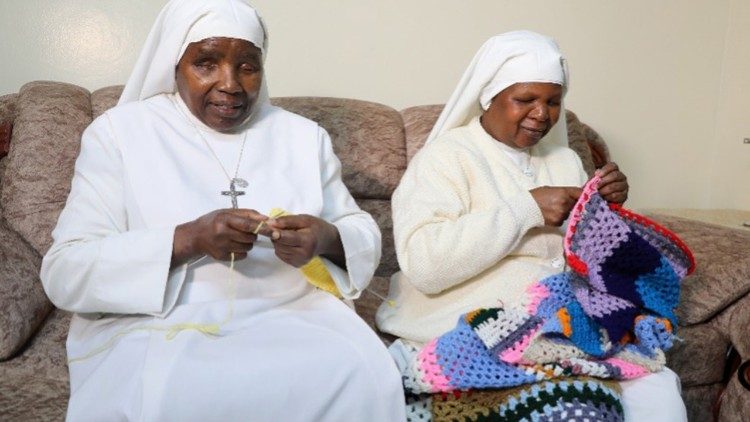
{"points": [[218, 234], [555, 202], [613, 186], [299, 238]]}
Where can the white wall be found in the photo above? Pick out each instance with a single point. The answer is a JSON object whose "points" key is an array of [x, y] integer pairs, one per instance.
{"points": [[665, 83], [730, 181]]}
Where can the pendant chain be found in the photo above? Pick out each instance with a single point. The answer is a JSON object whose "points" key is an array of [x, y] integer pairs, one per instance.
{"points": [[216, 157], [213, 153]]}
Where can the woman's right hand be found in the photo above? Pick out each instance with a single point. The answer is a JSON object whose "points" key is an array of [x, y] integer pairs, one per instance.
{"points": [[556, 202], [218, 234]]}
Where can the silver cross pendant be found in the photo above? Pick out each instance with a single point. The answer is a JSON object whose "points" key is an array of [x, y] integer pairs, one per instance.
{"points": [[233, 192]]}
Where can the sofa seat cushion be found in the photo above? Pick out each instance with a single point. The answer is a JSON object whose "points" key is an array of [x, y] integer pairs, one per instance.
{"points": [[45, 355], [46, 139], [706, 341], [33, 398], [367, 137], [23, 303], [722, 273]]}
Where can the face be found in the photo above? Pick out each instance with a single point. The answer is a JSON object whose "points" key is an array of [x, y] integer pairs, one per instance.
{"points": [[219, 79], [521, 114]]}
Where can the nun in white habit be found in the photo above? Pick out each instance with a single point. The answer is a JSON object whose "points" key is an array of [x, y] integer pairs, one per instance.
{"points": [[477, 215], [188, 302]]}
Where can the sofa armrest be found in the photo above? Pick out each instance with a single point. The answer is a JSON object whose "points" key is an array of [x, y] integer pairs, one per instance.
{"points": [[722, 274], [23, 303]]}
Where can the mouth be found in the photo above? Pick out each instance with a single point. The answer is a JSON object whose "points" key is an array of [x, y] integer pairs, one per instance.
{"points": [[227, 110], [536, 133]]}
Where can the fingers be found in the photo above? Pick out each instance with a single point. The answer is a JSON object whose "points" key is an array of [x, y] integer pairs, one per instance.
{"points": [[296, 247], [607, 168], [222, 233], [573, 192], [613, 185], [245, 220], [291, 222], [555, 202], [292, 247]]}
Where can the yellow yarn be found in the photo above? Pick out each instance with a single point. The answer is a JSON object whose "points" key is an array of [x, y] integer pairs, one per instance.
{"points": [[314, 271], [174, 329]]}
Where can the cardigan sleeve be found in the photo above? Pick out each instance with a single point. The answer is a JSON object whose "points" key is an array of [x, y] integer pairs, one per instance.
{"points": [[440, 243]]}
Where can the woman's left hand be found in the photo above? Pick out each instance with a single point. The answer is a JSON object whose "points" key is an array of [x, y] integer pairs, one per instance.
{"points": [[613, 186], [299, 238]]}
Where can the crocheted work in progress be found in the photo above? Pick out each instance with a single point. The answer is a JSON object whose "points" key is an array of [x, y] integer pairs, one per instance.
{"points": [[557, 400], [611, 317]]}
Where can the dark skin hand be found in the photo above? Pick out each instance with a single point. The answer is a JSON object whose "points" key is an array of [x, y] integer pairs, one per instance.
{"points": [[556, 202], [613, 186], [218, 234], [299, 238]]}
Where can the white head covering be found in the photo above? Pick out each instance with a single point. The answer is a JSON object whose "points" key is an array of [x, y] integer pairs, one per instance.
{"points": [[180, 23], [505, 59]]}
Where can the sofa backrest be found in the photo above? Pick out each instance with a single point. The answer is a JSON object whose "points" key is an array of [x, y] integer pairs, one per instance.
{"points": [[373, 141], [7, 117]]}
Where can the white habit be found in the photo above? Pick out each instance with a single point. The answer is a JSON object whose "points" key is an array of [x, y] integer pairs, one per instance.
{"points": [[285, 351]]}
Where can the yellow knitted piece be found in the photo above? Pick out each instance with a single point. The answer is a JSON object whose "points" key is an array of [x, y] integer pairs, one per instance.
{"points": [[314, 271]]}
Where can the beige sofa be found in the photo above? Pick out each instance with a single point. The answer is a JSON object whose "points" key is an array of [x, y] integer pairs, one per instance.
{"points": [[375, 143]]}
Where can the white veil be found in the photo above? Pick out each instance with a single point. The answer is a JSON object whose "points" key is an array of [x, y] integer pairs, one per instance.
{"points": [[181, 22], [505, 59]]}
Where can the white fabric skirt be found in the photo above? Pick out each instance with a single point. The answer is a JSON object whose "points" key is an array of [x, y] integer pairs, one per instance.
{"points": [[655, 397], [311, 359]]}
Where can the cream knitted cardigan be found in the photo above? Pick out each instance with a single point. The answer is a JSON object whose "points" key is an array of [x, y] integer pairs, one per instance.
{"points": [[468, 233]]}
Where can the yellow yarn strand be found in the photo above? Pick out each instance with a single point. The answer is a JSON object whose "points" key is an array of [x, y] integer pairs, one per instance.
{"points": [[314, 271], [212, 330]]}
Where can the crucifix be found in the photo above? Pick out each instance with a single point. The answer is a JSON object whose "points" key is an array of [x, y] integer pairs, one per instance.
{"points": [[233, 192]]}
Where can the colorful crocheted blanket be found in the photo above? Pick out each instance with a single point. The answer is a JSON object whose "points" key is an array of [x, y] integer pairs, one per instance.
{"points": [[610, 317]]}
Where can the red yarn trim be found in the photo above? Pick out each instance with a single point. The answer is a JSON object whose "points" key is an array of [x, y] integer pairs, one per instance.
{"points": [[659, 228], [577, 265], [575, 217]]}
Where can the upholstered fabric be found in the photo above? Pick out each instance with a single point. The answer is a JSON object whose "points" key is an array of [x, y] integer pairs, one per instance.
{"points": [[33, 398], [418, 122], [23, 304], [735, 405], [34, 385], [723, 267], [46, 140], [367, 137], [699, 401], [104, 99], [578, 135], [380, 209], [705, 341], [735, 321], [8, 108], [7, 116]]}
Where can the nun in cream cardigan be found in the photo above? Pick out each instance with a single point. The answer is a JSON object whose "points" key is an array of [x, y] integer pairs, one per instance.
{"points": [[477, 216]]}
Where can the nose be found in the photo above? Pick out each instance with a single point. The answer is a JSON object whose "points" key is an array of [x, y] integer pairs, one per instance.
{"points": [[540, 112], [228, 81]]}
